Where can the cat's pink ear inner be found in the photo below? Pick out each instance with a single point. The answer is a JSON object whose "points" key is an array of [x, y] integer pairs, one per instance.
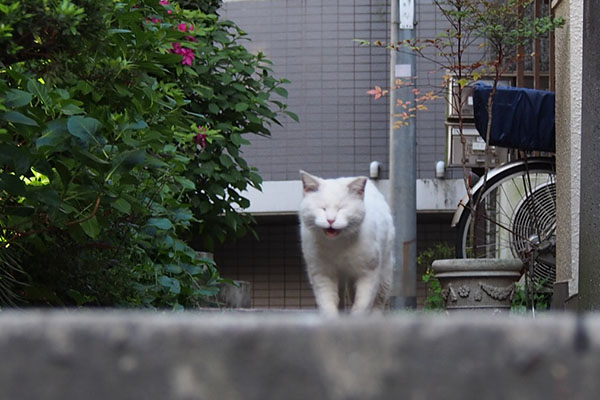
{"points": [[358, 186], [309, 183]]}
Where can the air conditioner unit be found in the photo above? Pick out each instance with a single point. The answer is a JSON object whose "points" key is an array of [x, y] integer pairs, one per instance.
{"points": [[474, 150], [467, 94]]}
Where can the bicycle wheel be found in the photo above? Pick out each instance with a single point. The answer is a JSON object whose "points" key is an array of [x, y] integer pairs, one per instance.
{"points": [[514, 217]]}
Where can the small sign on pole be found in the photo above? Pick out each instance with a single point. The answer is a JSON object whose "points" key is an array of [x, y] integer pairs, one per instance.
{"points": [[407, 14]]}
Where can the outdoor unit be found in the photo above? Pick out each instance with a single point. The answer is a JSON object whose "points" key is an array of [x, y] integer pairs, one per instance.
{"points": [[474, 148], [467, 106], [475, 145]]}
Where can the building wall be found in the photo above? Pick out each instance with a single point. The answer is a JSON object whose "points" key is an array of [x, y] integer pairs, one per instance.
{"points": [[273, 263], [341, 129]]}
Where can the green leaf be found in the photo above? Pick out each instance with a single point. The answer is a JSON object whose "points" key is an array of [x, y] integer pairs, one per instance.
{"points": [[292, 116], [47, 195], [91, 227], [171, 283], [281, 91], [213, 108], [17, 98], [136, 125], [16, 157], [128, 160], [207, 291], [83, 127], [160, 223], [239, 107], [122, 205], [185, 182], [225, 160], [40, 91], [12, 184], [174, 269], [17, 118], [80, 299], [71, 109], [238, 140], [51, 139], [152, 161], [183, 214], [115, 30], [91, 157], [192, 269]]}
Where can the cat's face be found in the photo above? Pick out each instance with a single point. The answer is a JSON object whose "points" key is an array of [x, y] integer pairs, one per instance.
{"points": [[333, 207]]}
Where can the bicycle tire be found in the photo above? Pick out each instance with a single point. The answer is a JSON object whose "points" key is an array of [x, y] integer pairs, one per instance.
{"points": [[515, 212]]}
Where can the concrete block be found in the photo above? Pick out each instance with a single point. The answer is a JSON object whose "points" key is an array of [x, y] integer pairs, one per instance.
{"points": [[294, 355]]}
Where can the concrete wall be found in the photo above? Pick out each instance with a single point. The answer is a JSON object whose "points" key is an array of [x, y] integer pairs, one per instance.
{"points": [[194, 356], [283, 197], [569, 45]]}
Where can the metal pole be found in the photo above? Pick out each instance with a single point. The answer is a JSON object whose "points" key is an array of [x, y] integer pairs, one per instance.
{"points": [[403, 143], [589, 247]]}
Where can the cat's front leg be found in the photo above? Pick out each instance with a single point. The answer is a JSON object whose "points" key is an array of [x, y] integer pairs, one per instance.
{"points": [[366, 291], [326, 293]]}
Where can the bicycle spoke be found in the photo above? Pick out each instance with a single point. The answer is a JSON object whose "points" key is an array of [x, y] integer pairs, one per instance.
{"points": [[514, 217]]}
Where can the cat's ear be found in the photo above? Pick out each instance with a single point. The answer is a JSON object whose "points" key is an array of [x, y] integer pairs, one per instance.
{"points": [[357, 186], [309, 183]]}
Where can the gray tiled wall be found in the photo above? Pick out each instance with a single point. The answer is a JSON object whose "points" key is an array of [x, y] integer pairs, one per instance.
{"points": [[341, 128], [273, 264]]}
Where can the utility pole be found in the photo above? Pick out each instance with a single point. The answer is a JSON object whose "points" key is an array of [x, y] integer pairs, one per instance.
{"points": [[403, 158]]}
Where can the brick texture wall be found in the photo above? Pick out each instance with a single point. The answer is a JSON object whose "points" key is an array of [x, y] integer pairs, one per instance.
{"points": [[273, 263]]}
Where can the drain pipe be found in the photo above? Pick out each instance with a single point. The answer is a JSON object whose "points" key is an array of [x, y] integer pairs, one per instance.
{"points": [[403, 175]]}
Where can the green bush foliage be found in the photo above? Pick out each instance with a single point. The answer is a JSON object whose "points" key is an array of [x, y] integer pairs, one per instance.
{"points": [[121, 124], [438, 251]]}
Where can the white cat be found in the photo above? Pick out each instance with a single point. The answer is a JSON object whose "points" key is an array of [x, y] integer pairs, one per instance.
{"points": [[347, 237]]}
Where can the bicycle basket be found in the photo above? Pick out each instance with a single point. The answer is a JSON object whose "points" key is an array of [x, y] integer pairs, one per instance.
{"points": [[522, 118]]}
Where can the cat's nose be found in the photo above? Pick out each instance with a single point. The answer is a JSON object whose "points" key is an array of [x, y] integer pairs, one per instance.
{"points": [[331, 221]]}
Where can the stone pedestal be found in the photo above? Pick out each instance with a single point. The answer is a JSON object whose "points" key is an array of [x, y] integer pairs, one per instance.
{"points": [[473, 284], [235, 296]]}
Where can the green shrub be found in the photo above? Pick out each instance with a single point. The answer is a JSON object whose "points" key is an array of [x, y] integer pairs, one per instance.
{"points": [[525, 297], [121, 124], [438, 251]]}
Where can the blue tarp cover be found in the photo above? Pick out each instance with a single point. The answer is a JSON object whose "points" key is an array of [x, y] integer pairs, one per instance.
{"points": [[522, 119]]}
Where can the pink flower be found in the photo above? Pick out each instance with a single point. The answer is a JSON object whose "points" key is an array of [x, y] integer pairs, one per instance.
{"points": [[165, 3], [200, 138], [188, 60], [188, 54]]}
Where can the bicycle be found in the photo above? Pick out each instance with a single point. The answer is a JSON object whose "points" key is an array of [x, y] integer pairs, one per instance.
{"points": [[512, 211]]}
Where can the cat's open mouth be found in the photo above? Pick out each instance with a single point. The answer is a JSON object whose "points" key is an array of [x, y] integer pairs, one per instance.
{"points": [[331, 232]]}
